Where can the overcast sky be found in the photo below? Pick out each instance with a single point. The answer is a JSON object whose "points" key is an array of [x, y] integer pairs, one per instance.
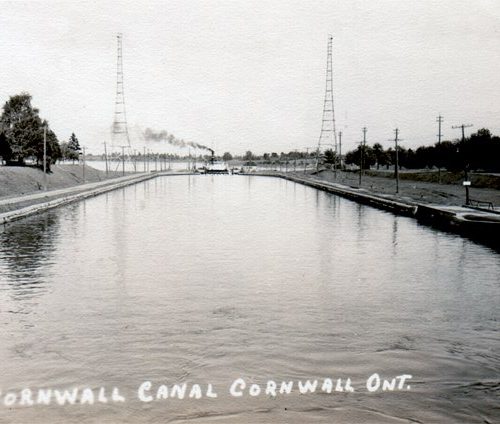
{"points": [[250, 75]]}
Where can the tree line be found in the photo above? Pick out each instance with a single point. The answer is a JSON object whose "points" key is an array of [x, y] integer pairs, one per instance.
{"points": [[480, 152], [22, 134], [270, 158]]}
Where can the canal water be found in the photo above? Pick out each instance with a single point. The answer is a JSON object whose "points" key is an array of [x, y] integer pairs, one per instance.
{"points": [[220, 280]]}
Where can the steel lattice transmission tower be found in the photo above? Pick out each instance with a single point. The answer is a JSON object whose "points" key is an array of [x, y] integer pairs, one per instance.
{"points": [[328, 134], [119, 132]]}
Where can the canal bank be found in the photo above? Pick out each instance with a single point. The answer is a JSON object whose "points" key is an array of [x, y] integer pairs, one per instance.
{"points": [[18, 181], [478, 224], [15, 208]]}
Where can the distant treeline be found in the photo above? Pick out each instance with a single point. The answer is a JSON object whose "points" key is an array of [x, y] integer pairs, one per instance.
{"points": [[480, 152]]}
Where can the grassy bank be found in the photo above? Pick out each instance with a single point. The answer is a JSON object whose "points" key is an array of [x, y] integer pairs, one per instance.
{"points": [[423, 190], [478, 180], [17, 181]]}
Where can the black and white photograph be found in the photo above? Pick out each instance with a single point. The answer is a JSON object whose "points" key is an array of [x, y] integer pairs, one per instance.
{"points": [[234, 211]]}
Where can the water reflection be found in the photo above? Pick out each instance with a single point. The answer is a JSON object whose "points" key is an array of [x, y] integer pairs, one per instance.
{"points": [[394, 236], [119, 220], [26, 252], [361, 225]]}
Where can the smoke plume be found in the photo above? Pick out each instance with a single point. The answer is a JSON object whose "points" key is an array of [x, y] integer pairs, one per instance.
{"points": [[159, 136]]}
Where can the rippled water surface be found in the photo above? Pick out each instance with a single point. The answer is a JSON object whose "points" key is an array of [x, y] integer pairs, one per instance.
{"points": [[205, 279]]}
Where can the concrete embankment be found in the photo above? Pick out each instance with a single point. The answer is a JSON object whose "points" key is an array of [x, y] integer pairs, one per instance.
{"points": [[31, 204], [473, 223], [480, 225]]}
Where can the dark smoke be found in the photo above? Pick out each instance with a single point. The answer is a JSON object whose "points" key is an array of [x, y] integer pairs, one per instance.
{"points": [[163, 135]]}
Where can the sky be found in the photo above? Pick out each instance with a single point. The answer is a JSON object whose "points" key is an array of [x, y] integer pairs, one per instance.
{"points": [[250, 75]]}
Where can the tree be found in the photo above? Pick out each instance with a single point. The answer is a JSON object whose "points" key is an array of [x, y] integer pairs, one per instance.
{"points": [[482, 150], [248, 155], [402, 157], [446, 155], [330, 157], [5, 150], [73, 148], [53, 147], [53, 150], [24, 131], [379, 153], [20, 123], [65, 153], [354, 157], [227, 156]]}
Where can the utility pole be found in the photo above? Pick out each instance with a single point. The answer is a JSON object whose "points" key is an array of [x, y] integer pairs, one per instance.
{"points": [[462, 126], [45, 157], [396, 168], [307, 158], [340, 150], [123, 160], [106, 158], [439, 121], [361, 155], [317, 159], [83, 168], [466, 182]]}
